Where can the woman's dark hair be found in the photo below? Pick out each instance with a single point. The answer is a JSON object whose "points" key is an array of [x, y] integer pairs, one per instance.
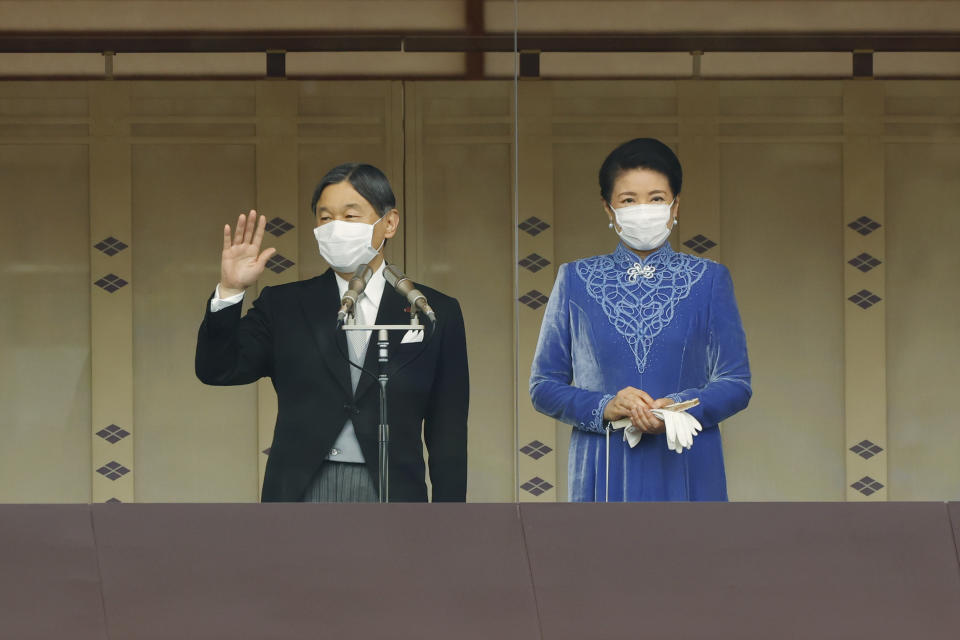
{"points": [[640, 153], [369, 182]]}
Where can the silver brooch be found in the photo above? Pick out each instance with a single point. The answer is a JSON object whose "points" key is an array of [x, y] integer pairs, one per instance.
{"points": [[638, 271]]}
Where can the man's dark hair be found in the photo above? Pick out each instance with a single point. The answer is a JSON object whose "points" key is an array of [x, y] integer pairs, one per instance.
{"points": [[640, 153], [369, 182]]}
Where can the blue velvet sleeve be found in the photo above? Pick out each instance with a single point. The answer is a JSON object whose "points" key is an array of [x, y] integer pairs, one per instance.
{"points": [[728, 389], [552, 372]]}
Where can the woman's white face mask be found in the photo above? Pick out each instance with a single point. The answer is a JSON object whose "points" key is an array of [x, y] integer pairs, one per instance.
{"points": [[644, 226], [346, 246]]}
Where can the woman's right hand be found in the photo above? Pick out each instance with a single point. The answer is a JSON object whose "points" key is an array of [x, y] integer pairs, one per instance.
{"points": [[635, 404], [241, 262]]}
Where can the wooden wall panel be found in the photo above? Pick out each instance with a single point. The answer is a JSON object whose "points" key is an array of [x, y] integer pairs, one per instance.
{"points": [[864, 239], [111, 294], [921, 158], [193, 169], [195, 443], [459, 199], [780, 211], [45, 398], [45, 384]]}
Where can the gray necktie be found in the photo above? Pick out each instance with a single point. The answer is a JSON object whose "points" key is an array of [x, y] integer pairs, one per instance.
{"points": [[357, 341]]}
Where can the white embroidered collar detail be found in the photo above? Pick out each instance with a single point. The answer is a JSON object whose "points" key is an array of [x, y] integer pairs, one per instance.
{"points": [[640, 271], [640, 299]]}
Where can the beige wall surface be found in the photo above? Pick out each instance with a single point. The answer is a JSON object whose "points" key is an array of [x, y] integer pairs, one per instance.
{"points": [[459, 187], [230, 15], [44, 322], [923, 311], [756, 16], [780, 205], [193, 442]]}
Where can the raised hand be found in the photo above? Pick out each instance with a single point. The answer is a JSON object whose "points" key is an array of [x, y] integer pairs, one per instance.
{"points": [[242, 262]]}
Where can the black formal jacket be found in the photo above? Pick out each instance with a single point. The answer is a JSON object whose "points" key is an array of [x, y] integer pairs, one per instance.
{"points": [[290, 335]]}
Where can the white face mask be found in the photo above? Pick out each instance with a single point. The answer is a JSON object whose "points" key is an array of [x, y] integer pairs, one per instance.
{"points": [[346, 246], [644, 226]]}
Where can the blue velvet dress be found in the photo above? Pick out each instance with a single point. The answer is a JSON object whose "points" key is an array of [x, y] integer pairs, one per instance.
{"points": [[668, 325]]}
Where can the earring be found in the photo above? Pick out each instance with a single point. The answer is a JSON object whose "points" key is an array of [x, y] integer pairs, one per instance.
{"points": [[610, 226]]}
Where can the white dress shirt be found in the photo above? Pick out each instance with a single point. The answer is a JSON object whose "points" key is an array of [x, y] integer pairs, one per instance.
{"points": [[346, 448]]}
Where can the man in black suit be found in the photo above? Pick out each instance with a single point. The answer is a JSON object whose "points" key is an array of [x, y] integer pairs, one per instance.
{"points": [[325, 444]]}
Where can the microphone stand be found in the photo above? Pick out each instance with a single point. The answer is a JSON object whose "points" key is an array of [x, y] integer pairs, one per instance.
{"points": [[382, 380]]}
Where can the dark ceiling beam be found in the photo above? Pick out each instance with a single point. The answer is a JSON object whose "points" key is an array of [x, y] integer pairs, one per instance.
{"points": [[666, 42], [154, 42], [476, 26]]}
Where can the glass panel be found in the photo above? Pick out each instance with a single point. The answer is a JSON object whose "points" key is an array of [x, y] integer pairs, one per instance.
{"points": [[175, 146], [806, 191]]}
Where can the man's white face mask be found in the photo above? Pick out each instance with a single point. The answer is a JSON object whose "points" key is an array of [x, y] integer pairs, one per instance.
{"points": [[346, 246], [644, 226]]}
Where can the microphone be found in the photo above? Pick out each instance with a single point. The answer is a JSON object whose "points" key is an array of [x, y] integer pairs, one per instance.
{"points": [[404, 286], [357, 284]]}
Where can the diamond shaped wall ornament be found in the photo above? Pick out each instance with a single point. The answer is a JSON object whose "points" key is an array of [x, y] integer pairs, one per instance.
{"points": [[533, 299], [536, 486], [113, 433], [535, 449], [534, 262], [864, 299], [866, 449], [114, 501], [534, 226], [867, 485], [113, 470], [700, 244], [278, 227], [864, 225], [278, 264], [266, 451], [111, 283], [865, 262], [110, 246]]}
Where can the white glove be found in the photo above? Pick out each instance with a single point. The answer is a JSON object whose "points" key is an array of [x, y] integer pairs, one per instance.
{"points": [[632, 435], [681, 429]]}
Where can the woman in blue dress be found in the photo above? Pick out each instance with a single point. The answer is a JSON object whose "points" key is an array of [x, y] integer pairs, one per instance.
{"points": [[636, 330]]}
